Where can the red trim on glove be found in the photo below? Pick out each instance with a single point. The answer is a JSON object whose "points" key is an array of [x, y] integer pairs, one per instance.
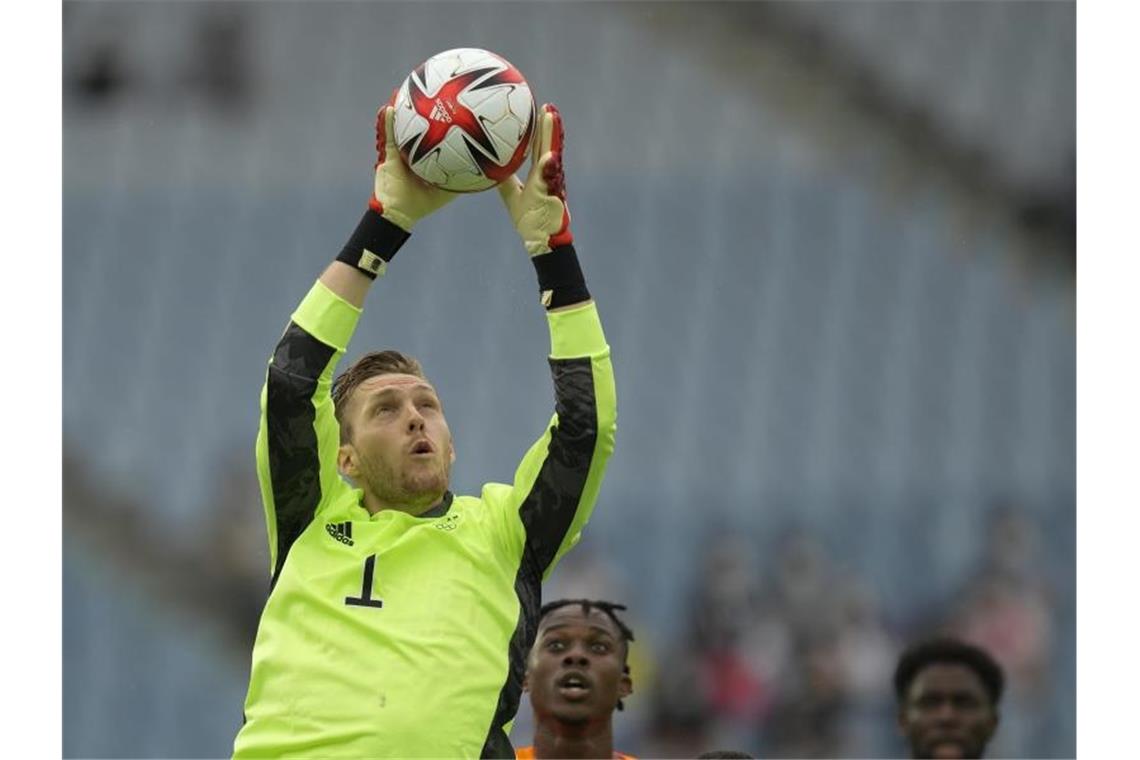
{"points": [[556, 138], [552, 172], [555, 179], [563, 236], [381, 136], [381, 149]]}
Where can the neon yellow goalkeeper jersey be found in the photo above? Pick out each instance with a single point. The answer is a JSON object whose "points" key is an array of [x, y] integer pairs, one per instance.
{"points": [[389, 635]]}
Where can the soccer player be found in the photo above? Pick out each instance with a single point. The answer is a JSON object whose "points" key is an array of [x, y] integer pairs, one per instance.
{"points": [[577, 675], [948, 693], [401, 615]]}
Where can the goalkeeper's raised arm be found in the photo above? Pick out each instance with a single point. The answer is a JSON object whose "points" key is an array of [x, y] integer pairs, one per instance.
{"points": [[583, 428], [400, 614]]}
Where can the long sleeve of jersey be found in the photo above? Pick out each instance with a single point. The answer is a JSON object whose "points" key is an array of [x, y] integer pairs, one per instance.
{"points": [[557, 483], [298, 437], [398, 635]]}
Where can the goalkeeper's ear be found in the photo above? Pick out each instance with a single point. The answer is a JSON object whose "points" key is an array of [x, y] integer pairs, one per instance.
{"points": [[346, 461]]}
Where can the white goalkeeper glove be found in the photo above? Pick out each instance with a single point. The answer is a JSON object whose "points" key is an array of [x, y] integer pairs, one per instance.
{"points": [[398, 194], [538, 207], [542, 219]]}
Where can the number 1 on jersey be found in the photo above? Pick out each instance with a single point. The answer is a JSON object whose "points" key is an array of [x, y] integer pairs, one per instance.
{"points": [[365, 599]]}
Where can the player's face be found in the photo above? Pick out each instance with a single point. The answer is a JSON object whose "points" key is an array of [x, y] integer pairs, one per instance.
{"points": [[575, 671], [947, 713], [401, 450]]}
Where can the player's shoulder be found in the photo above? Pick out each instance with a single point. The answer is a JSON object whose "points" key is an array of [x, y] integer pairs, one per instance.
{"points": [[491, 500], [492, 509], [494, 494], [527, 753], [490, 496], [344, 503]]}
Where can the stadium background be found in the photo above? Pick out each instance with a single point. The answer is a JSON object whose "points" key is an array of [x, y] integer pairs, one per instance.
{"points": [[833, 247]]}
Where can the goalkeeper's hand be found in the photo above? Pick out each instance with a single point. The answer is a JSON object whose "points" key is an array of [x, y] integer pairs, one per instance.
{"points": [[398, 194], [538, 207]]}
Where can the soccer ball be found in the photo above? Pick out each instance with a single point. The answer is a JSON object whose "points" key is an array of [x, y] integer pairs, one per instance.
{"points": [[463, 120]]}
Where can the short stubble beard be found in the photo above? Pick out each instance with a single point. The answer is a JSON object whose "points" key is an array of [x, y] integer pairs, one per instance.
{"points": [[415, 490]]}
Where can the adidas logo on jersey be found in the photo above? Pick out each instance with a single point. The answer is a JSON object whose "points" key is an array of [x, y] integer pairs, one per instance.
{"points": [[341, 532]]}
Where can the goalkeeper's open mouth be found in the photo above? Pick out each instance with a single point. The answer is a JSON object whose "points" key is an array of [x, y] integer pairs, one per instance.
{"points": [[421, 447]]}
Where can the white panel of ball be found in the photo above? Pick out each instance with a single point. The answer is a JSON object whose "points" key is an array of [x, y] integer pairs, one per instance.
{"points": [[521, 104]]}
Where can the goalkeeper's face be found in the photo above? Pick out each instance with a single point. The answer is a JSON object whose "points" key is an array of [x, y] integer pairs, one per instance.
{"points": [[399, 450]]}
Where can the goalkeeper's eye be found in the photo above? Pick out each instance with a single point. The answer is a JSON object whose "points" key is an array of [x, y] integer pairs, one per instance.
{"points": [[555, 645]]}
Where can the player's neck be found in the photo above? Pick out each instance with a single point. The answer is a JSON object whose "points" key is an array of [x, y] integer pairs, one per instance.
{"points": [[374, 504], [555, 741]]}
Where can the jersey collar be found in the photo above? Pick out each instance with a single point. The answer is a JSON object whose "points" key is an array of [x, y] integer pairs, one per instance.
{"points": [[441, 509]]}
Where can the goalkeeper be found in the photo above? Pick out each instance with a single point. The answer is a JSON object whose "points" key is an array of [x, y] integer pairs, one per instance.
{"points": [[401, 615]]}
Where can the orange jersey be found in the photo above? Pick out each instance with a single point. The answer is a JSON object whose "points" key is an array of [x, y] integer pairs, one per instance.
{"points": [[527, 753]]}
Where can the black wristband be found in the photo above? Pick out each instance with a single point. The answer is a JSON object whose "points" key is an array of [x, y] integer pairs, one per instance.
{"points": [[373, 244], [560, 279]]}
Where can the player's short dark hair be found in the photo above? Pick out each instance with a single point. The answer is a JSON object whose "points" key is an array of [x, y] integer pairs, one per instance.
{"points": [[946, 650], [609, 608], [370, 365]]}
